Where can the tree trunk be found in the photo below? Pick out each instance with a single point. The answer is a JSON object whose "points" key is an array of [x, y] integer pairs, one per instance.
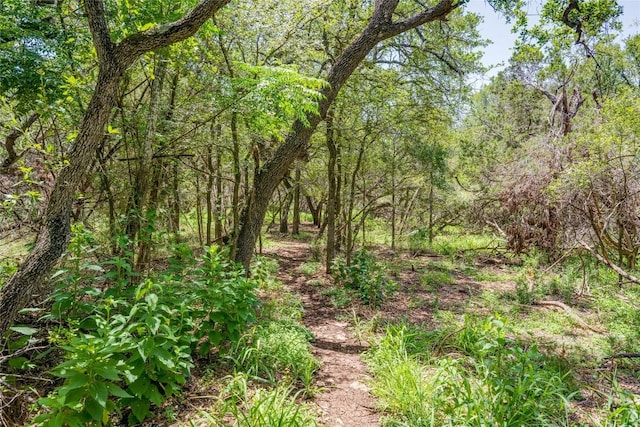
{"points": [[431, 206], [175, 206], [113, 60], [295, 226], [352, 200], [332, 195], [237, 182], [138, 206], [219, 196], [380, 27]]}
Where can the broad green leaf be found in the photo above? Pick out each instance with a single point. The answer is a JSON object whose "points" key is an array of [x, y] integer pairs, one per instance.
{"points": [[24, 330], [99, 392], [117, 391], [140, 408], [94, 409]]}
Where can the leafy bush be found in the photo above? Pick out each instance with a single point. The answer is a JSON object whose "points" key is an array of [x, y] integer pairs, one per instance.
{"points": [[125, 360], [365, 276], [340, 297], [130, 348], [310, 268]]}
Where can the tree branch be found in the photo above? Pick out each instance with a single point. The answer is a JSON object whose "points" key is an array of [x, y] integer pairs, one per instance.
{"points": [[95, 12], [164, 35], [631, 278], [435, 13], [10, 141]]}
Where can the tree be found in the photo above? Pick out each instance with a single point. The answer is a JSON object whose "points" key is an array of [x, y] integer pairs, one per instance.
{"points": [[114, 58], [381, 26]]}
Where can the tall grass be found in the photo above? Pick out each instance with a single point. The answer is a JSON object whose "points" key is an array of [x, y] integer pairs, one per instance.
{"points": [[473, 376], [274, 408]]}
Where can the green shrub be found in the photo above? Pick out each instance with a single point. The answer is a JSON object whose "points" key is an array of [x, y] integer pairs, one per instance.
{"points": [[128, 348], [365, 276], [129, 360], [340, 297], [436, 279]]}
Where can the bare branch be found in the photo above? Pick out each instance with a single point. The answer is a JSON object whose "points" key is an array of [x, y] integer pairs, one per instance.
{"points": [[631, 278]]}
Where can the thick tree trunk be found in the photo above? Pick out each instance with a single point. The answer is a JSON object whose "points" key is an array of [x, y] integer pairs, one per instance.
{"points": [[138, 209], [113, 60], [315, 210], [209, 198], [53, 238], [265, 184], [175, 203], [380, 27]]}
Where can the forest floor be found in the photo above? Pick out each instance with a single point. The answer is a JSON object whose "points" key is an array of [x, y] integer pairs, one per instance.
{"points": [[344, 398], [433, 289]]}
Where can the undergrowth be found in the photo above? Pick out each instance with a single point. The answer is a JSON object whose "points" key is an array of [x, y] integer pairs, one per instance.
{"points": [[473, 376]]}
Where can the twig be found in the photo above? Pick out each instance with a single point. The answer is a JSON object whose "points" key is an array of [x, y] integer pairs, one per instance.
{"points": [[21, 351], [445, 339]]}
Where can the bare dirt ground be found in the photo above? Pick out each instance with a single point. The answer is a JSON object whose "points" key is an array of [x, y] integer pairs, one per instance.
{"points": [[344, 398]]}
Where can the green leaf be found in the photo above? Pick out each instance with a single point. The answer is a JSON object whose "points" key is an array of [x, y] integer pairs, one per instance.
{"points": [[94, 408], [154, 395], [19, 363], [153, 324], [152, 300], [164, 357], [99, 392], [117, 391], [77, 380], [140, 386], [108, 372], [24, 330], [140, 408]]}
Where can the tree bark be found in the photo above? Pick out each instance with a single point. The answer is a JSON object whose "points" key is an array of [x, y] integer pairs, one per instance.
{"points": [[237, 181], [295, 226], [332, 195], [380, 27], [113, 60]]}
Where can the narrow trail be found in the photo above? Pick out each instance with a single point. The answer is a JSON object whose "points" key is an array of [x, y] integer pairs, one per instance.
{"points": [[344, 399]]}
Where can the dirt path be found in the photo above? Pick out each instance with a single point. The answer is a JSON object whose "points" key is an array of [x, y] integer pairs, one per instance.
{"points": [[344, 399]]}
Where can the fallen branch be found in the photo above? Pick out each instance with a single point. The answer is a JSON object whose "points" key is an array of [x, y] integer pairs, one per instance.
{"points": [[571, 313], [623, 356], [630, 277]]}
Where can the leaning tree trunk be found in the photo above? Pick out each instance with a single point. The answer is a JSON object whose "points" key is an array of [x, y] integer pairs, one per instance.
{"points": [[113, 60], [380, 27]]}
